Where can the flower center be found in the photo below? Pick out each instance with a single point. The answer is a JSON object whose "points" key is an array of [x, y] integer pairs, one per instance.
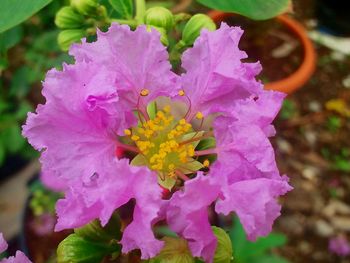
{"points": [[167, 146]]}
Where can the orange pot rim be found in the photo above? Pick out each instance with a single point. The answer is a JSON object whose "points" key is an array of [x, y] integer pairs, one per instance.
{"points": [[299, 77]]}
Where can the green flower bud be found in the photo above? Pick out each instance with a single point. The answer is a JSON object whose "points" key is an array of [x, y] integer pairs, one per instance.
{"points": [[160, 17], [223, 252], [163, 34], [66, 17], [69, 36], [194, 27], [174, 250], [85, 7]]}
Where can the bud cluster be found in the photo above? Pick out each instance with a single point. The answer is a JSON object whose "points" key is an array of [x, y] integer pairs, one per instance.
{"points": [[78, 20]]}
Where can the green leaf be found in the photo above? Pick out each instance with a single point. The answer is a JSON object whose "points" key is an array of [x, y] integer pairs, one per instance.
{"points": [[95, 232], [13, 12], [13, 139], [76, 249], [10, 38], [254, 9], [123, 7]]}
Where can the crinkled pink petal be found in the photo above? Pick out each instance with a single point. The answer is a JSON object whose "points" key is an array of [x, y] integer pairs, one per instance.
{"points": [[215, 75], [100, 197], [3, 243], [76, 126], [255, 203], [18, 258], [340, 246], [138, 58], [260, 110], [187, 215]]}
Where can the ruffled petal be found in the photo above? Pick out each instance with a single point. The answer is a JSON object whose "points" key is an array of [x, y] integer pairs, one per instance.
{"points": [[187, 215], [18, 258], [255, 203], [137, 57], [100, 197], [215, 75], [76, 126]]}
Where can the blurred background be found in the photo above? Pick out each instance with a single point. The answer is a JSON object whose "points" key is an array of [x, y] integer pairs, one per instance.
{"points": [[313, 128]]}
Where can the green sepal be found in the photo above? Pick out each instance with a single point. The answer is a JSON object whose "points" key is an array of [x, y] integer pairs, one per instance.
{"points": [[223, 252], [69, 36], [191, 166], [194, 27], [76, 249], [192, 135], [207, 143], [152, 110], [175, 250], [95, 232]]}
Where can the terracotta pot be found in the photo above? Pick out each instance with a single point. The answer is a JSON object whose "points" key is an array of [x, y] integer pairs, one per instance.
{"points": [[298, 78]]}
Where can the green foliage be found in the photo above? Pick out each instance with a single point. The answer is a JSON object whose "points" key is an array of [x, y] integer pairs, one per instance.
{"points": [[125, 8], [13, 12], [288, 110], [245, 251], [91, 243], [254, 9]]}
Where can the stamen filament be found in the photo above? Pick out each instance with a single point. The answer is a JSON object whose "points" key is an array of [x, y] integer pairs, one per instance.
{"points": [[209, 134], [205, 152], [181, 175]]}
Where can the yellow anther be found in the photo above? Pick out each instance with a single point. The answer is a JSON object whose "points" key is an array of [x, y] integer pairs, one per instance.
{"points": [[135, 138], [167, 109], [199, 115], [182, 121], [206, 163], [171, 167], [127, 132], [181, 92], [144, 92]]}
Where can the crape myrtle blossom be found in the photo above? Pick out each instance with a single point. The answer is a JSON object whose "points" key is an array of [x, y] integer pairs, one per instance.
{"points": [[122, 94], [18, 258]]}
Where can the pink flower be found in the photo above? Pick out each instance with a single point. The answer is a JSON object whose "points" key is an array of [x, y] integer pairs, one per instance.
{"points": [[103, 103], [340, 246], [18, 258]]}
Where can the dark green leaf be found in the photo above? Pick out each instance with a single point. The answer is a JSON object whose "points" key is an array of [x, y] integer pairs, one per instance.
{"points": [[124, 7], [76, 249], [13, 12], [269, 259], [254, 9], [10, 38], [20, 85], [2, 153]]}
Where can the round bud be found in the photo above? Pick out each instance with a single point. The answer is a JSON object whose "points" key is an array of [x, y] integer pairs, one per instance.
{"points": [[223, 252], [194, 26], [66, 17], [85, 7], [163, 34], [69, 36], [160, 17]]}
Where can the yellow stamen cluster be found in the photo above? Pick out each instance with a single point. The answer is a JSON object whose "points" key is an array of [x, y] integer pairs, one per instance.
{"points": [[160, 141]]}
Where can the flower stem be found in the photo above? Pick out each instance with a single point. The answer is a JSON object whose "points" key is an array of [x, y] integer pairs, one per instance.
{"points": [[140, 6]]}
